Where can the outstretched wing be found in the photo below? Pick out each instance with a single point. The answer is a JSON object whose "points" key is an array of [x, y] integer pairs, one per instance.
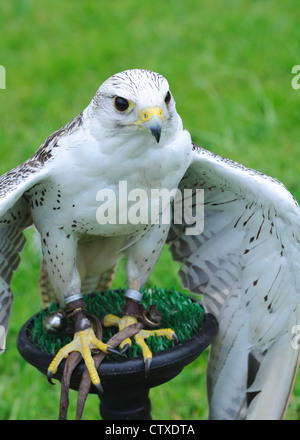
{"points": [[15, 213], [15, 216], [246, 265]]}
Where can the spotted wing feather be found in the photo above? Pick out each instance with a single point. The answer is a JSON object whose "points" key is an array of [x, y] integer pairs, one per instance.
{"points": [[15, 213], [12, 241], [246, 266], [15, 216]]}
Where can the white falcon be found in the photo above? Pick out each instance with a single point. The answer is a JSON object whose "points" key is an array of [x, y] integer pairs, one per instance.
{"points": [[245, 264]]}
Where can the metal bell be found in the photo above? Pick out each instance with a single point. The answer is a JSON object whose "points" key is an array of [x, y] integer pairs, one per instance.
{"points": [[54, 322]]}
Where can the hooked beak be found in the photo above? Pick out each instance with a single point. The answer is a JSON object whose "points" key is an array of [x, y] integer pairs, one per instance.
{"points": [[155, 126], [151, 119]]}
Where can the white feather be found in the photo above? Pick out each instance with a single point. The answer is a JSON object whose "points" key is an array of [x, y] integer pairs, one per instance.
{"points": [[247, 269]]}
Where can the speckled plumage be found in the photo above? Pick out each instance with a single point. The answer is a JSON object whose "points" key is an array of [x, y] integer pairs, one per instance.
{"points": [[245, 263], [59, 183]]}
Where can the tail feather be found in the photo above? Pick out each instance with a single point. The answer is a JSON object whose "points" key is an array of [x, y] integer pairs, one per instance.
{"points": [[96, 283], [277, 370]]}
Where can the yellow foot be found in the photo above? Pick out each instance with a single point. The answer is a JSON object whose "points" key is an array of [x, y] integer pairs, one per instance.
{"points": [[125, 321], [84, 341]]}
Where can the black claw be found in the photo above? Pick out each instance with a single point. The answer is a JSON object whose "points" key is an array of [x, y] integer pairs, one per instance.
{"points": [[175, 338], [99, 388], [112, 351], [147, 366], [125, 348], [49, 377]]}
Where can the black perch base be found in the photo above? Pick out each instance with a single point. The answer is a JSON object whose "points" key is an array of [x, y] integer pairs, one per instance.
{"points": [[126, 404], [126, 389]]}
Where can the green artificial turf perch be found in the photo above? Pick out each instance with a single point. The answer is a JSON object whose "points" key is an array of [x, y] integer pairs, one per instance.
{"points": [[179, 312]]}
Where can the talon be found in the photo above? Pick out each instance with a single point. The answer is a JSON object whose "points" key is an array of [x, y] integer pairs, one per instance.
{"points": [[128, 320], [49, 377], [84, 342], [113, 351], [175, 338], [125, 348], [99, 388], [148, 362]]}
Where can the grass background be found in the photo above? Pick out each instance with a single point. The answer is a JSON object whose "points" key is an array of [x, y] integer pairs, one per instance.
{"points": [[229, 66]]}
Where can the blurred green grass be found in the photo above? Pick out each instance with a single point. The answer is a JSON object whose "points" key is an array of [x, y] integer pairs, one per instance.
{"points": [[229, 67]]}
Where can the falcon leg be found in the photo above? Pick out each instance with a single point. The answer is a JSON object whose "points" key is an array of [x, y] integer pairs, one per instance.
{"points": [[133, 311], [84, 341]]}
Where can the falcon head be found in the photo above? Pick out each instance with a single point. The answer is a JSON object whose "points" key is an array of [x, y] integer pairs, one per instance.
{"points": [[137, 101]]}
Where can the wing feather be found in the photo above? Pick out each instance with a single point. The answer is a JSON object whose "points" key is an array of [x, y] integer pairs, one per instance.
{"points": [[12, 241], [16, 182], [246, 266], [15, 213], [15, 216]]}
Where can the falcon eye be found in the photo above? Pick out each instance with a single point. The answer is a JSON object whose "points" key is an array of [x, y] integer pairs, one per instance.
{"points": [[121, 104], [168, 98]]}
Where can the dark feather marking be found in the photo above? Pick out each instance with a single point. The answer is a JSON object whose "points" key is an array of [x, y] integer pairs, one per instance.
{"points": [[224, 203], [259, 230], [278, 272], [246, 221], [236, 223], [13, 178]]}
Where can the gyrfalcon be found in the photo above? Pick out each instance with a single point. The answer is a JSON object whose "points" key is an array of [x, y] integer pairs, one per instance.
{"points": [[245, 263]]}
